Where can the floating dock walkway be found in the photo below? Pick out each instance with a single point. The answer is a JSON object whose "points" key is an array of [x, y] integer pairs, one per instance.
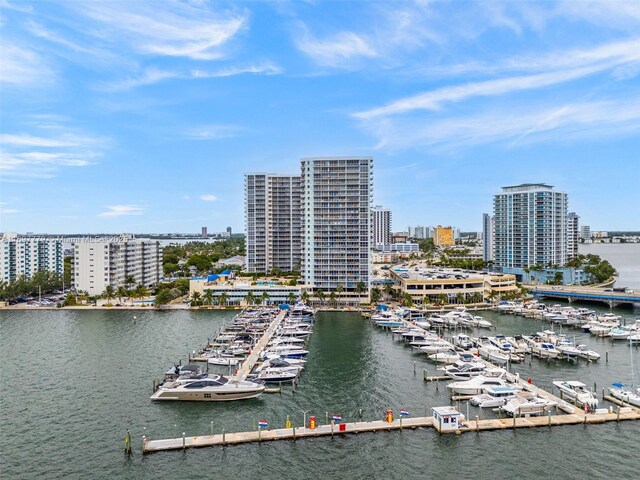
{"points": [[295, 433]]}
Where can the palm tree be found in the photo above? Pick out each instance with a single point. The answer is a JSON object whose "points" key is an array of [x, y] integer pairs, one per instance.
{"points": [[265, 297], [443, 298], [407, 300], [208, 297], [292, 298], [321, 296], [388, 289], [333, 300], [460, 297], [195, 298], [476, 297], [141, 292], [250, 298], [492, 295], [222, 299], [122, 292], [130, 280], [305, 296], [376, 295], [425, 300], [109, 293]]}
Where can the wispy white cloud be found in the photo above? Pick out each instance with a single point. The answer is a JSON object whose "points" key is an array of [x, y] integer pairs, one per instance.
{"points": [[6, 210], [167, 28], [186, 197], [42, 154], [526, 123], [213, 132], [24, 68], [122, 210], [154, 75], [208, 197], [16, 6], [433, 100], [337, 50]]}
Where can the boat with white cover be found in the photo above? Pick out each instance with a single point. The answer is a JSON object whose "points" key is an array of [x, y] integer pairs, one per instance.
{"points": [[525, 404], [476, 385], [494, 397]]}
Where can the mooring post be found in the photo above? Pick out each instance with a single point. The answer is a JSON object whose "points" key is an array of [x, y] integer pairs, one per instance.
{"points": [[618, 417], [400, 422], [477, 423], [211, 424], [184, 440], [424, 374], [223, 437], [360, 414], [127, 443], [606, 356], [294, 432], [603, 393], [414, 368], [332, 424], [549, 416], [259, 434], [144, 443], [326, 418]]}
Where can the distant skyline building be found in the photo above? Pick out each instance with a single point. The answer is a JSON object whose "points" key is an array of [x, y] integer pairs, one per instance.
{"points": [[273, 222], [337, 200], [585, 232], [381, 225], [97, 264], [573, 234], [530, 227], [23, 255], [487, 237], [204, 232], [443, 236]]}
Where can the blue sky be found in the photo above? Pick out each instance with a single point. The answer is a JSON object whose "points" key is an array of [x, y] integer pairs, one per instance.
{"points": [[143, 117]]}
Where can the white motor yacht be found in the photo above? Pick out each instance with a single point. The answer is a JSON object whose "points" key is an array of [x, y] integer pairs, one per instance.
{"points": [[476, 385], [525, 404], [545, 350], [224, 360], [447, 357], [277, 375], [494, 397], [208, 388], [587, 353], [464, 370], [578, 392], [437, 347]]}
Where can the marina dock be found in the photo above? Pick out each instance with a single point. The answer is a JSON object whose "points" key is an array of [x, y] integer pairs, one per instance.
{"points": [[295, 433], [251, 360]]}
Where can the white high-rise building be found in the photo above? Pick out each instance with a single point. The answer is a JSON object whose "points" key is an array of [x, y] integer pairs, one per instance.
{"points": [[381, 225], [111, 262], [530, 227], [573, 234], [26, 255], [273, 221], [337, 197], [585, 232], [487, 237]]}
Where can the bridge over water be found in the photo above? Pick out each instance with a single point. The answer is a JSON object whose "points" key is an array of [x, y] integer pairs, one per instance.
{"points": [[586, 294]]}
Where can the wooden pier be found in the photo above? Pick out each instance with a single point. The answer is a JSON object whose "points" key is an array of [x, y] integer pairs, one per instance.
{"points": [[251, 360], [295, 433]]}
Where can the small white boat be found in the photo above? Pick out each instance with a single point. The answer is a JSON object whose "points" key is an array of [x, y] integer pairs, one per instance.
{"points": [[526, 405], [545, 350], [625, 394], [225, 361], [586, 353], [437, 347], [578, 392], [476, 385], [447, 357], [494, 397]]}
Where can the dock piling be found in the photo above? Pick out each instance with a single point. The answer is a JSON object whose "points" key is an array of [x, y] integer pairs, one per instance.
{"points": [[184, 440], [211, 424], [127, 443]]}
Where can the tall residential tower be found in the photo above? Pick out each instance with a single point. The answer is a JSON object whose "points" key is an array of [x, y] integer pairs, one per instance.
{"points": [[273, 222], [573, 234], [381, 225], [530, 227], [337, 198], [487, 237]]}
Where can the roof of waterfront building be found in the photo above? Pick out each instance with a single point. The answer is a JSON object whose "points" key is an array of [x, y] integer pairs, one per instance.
{"points": [[420, 272]]}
